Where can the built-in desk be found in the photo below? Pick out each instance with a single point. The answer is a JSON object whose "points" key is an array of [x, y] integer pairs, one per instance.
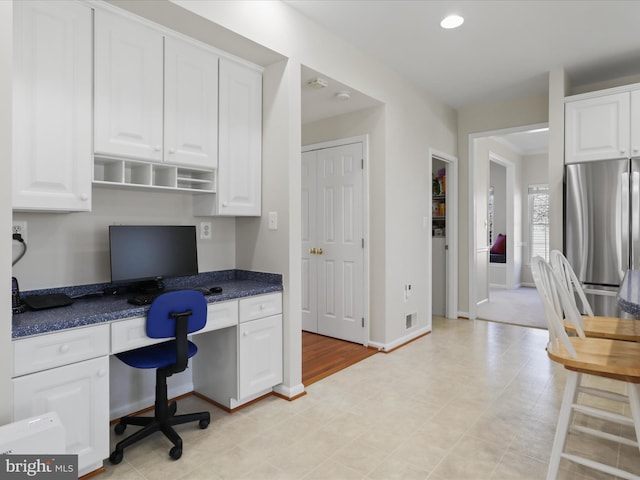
{"points": [[63, 358]]}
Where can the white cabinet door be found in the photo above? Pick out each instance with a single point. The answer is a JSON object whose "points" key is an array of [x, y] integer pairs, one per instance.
{"points": [[240, 140], [260, 355], [79, 394], [128, 88], [635, 123], [52, 106], [191, 105], [597, 128]]}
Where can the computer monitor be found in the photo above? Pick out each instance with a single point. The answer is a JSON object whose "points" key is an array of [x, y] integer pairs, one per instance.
{"points": [[142, 255]]}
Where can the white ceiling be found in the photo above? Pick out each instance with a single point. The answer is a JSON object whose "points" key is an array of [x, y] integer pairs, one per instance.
{"points": [[505, 48]]}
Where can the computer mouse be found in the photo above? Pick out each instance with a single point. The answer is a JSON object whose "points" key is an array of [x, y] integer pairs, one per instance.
{"points": [[215, 289]]}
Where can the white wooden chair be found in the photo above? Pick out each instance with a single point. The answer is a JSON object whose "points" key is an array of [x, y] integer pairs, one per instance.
{"points": [[589, 324], [601, 357]]}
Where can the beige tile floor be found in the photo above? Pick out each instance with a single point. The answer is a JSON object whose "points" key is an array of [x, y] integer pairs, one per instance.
{"points": [[473, 400]]}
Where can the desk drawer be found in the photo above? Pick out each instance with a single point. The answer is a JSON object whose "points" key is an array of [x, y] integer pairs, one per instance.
{"points": [[53, 350], [221, 315], [260, 306], [131, 333]]}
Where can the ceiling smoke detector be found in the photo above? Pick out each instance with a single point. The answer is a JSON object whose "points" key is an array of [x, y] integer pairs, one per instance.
{"points": [[318, 83], [343, 95]]}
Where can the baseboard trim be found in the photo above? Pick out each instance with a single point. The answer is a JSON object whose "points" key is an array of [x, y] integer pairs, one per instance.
{"points": [[289, 393], [402, 341]]}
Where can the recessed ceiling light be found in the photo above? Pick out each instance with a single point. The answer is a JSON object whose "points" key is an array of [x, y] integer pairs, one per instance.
{"points": [[452, 21]]}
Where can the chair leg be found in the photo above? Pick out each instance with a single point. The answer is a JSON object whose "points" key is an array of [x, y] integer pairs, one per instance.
{"points": [[564, 420], [633, 390]]}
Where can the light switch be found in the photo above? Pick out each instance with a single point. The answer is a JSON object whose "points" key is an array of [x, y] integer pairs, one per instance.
{"points": [[273, 220]]}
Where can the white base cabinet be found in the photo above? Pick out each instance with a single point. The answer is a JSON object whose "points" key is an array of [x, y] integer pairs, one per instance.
{"points": [[238, 364], [79, 394], [52, 89]]}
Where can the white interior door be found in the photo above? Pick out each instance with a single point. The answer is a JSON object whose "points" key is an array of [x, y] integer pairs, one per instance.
{"points": [[332, 242]]}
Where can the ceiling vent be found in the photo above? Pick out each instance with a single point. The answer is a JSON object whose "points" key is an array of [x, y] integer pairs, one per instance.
{"points": [[318, 83]]}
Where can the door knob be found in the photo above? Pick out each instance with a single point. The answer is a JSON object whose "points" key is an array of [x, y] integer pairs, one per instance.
{"points": [[320, 251], [312, 251]]}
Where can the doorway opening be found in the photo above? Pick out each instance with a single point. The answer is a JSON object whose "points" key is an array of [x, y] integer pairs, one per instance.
{"points": [[444, 234], [504, 163]]}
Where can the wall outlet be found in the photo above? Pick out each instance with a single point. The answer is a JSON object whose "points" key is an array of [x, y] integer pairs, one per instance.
{"points": [[20, 228], [205, 230], [273, 220], [407, 291]]}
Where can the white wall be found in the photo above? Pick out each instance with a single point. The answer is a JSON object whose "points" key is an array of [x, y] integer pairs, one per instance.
{"points": [[6, 352], [73, 248], [413, 123]]}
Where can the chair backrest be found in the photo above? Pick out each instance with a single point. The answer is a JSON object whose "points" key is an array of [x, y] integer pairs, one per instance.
{"points": [[161, 321], [570, 281], [554, 296], [564, 269]]}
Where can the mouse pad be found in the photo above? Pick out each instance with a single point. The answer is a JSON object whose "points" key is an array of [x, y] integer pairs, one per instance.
{"points": [[40, 302]]}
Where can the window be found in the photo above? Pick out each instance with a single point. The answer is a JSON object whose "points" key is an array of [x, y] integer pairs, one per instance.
{"points": [[538, 221]]}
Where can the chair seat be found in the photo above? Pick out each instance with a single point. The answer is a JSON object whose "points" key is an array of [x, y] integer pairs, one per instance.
{"points": [[600, 356], [609, 327], [154, 356]]}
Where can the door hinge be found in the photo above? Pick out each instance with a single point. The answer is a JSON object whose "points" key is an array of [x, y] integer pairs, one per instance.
{"points": [[363, 243], [362, 322], [362, 163]]}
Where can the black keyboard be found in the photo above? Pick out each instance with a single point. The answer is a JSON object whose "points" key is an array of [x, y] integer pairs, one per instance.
{"points": [[148, 298], [143, 299]]}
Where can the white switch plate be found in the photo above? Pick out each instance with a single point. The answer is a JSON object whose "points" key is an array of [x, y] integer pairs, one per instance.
{"points": [[273, 220]]}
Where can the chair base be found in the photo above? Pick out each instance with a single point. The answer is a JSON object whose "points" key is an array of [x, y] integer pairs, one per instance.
{"points": [[163, 421]]}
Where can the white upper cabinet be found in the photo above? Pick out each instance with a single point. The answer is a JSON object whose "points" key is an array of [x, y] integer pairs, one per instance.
{"points": [[191, 105], [148, 83], [128, 88], [597, 128], [635, 123], [240, 142], [52, 106]]}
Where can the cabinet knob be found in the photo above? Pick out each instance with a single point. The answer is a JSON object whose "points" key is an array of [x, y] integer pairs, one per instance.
{"points": [[172, 150], [313, 251], [101, 372], [64, 348], [225, 204], [622, 152], [636, 149], [320, 251], [157, 148], [245, 334], [84, 197]]}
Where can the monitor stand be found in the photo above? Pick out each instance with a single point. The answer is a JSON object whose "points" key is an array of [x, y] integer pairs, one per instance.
{"points": [[147, 286]]}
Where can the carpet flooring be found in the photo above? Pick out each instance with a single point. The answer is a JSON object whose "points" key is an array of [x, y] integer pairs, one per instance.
{"points": [[521, 306]]}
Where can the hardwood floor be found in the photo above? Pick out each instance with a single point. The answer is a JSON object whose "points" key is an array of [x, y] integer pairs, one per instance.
{"points": [[323, 356]]}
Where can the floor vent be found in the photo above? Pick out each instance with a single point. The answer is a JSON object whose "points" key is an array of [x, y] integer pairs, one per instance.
{"points": [[410, 320]]}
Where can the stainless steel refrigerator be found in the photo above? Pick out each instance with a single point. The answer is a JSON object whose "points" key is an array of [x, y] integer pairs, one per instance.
{"points": [[602, 227]]}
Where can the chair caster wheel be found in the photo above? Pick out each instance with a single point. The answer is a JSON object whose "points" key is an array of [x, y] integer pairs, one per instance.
{"points": [[203, 424], [116, 457], [175, 453], [120, 428]]}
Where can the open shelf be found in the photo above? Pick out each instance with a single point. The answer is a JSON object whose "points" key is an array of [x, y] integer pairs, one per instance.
{"points": [[114, 172]]}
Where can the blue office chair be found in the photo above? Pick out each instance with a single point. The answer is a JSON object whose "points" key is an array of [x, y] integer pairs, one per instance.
{"points": [[172, 314]]}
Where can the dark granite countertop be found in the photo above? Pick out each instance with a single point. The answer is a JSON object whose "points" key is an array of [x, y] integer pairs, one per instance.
{"points": [[95, 303], [629, 293]]}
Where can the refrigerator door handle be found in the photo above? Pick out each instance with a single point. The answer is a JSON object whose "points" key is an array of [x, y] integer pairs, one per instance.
{"points": [[624, 223], [635, 219]]}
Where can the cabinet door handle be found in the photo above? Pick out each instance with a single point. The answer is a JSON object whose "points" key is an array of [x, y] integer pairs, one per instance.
{"points": [[64, 348]]}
